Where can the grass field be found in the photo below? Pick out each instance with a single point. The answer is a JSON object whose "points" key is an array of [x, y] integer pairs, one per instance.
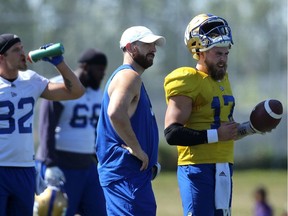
{"points": [[245, 182]]}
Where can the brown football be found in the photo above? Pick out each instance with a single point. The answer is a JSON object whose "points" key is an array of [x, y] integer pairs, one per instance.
{"points": [[266, 115]]}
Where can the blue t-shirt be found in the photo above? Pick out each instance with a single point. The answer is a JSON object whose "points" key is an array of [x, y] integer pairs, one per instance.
{"points": [[115, 162]]}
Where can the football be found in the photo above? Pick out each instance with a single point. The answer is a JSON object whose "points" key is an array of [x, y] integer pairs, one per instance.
{"points": [[266, 115]]}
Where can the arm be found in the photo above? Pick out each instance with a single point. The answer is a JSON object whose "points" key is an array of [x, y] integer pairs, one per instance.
{"points": [[70, 89], [49, 115], [124, 92], [178, 112]]}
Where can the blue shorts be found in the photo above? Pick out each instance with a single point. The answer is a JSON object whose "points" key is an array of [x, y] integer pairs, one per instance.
{"points": [[130, 197], [17, 189], [197, 189], [85, 195]]}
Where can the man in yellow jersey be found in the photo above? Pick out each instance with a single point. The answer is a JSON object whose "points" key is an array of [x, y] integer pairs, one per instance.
{"points": [[199, 119]]}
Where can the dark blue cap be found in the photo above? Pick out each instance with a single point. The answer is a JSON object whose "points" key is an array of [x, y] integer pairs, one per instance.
{"points": [[7, 40], [93, 56]]}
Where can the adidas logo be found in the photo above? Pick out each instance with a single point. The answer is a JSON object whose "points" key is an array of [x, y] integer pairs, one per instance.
{"points": [[222, 174]]}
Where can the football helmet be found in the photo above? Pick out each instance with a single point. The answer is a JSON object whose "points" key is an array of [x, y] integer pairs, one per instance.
{"points": [[206, 31], [52, 202]]}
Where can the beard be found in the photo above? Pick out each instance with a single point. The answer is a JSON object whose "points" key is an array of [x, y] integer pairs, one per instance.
{"points": [[143, 61], [23, 68], [215, 71], [94, 84], [22, 65]]}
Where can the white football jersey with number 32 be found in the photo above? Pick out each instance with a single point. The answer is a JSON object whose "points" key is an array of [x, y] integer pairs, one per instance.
{"points": [[17, 102]]}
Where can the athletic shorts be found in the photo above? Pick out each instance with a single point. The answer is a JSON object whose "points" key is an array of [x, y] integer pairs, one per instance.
{"points": [[131, 197], [197, 189], [17, 189], [85, 195]]}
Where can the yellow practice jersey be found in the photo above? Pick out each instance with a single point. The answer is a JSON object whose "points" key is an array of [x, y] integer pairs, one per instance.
{"points": [[212, 104]]}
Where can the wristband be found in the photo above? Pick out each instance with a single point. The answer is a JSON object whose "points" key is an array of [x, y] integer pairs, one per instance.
{"points": [[212, 135]]}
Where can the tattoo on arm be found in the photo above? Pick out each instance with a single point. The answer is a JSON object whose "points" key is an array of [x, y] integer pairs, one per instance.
{"points": [[68, 83]]}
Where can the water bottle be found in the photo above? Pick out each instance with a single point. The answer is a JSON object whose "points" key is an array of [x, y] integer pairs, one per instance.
{"points": [[53, 50]]}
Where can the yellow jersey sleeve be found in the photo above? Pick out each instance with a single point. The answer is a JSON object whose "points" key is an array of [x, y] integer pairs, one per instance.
{"points": [[183, 81]]}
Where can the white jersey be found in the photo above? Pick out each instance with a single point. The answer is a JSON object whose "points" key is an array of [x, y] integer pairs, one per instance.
{"points": [[76, 129], [17, 101]]}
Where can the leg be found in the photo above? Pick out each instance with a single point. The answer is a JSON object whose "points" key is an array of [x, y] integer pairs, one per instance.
{"points": [[93, 201], [196, 184], [17, 189], [221, 212], [73, 187], [131, 197], [4, 194]]}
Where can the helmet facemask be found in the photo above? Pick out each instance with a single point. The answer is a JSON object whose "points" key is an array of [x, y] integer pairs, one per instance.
{"points": [[212, 31]]}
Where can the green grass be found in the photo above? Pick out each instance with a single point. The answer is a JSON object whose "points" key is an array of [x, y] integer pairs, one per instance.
{"points": [[245, 182]]}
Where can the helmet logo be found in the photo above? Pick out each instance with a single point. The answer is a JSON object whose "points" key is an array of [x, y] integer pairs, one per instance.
{"points": [[206, 31]]}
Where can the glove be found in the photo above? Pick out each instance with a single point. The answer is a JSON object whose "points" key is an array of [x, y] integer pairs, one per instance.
{"points": [[246, 129], [54, 176], [156, 170], [55, 60], [40, 183]]}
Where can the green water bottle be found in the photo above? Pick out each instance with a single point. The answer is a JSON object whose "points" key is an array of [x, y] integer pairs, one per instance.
{"points": [[53, 50]]}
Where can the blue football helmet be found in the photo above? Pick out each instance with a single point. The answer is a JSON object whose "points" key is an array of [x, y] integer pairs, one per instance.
{"points": [[205, 31]]}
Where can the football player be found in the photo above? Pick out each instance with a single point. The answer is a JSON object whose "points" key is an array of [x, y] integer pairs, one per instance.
{"points": [[67, 139], [199, 119], [19, 90]]}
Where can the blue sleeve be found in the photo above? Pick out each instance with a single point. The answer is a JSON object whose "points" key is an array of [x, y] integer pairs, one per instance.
{"points": [[49, 115]]}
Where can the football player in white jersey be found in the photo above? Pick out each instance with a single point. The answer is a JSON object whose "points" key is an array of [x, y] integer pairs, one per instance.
{"points": [[19, 90], [67, 139]]}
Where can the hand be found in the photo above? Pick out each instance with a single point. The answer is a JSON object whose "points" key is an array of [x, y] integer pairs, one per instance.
{"points": [[55, 60], [54, 176], [228, 131], [141, 155]]}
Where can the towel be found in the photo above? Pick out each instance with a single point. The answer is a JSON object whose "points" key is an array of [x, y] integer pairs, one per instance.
{"points": [[222, 186]]}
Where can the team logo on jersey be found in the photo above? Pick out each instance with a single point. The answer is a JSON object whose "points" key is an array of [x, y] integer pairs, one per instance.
{"points": [[13, 94]]}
